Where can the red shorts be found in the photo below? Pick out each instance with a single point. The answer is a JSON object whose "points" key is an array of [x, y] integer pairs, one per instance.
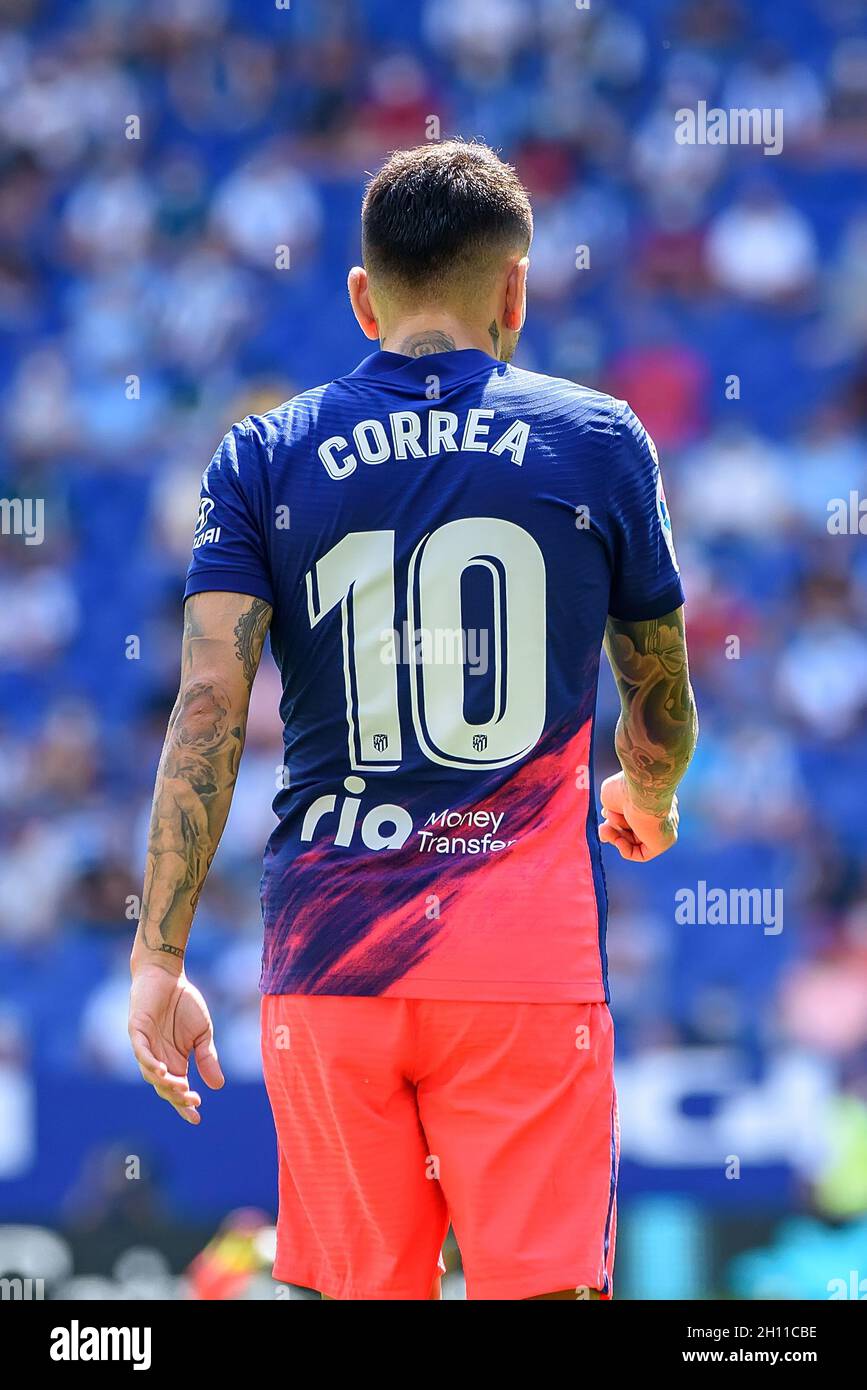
{"points": [[397, 1116]]}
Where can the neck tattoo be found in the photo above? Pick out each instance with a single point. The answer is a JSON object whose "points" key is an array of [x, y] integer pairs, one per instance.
{"points": [[421, 344]]}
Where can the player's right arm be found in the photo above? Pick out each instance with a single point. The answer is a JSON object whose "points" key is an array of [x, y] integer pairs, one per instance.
{"points": [[656, 734], [168, 1018]]}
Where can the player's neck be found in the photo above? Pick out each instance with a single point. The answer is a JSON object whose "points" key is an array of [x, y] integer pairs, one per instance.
{"points": [[417, 335]]}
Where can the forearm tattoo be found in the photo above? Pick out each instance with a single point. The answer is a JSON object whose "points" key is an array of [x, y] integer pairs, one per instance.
{"points": [[196, 777], [658, 725]]}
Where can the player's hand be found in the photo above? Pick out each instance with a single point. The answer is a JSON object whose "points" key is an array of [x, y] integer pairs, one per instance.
{"points": [[636, 834], [169, 1020]]}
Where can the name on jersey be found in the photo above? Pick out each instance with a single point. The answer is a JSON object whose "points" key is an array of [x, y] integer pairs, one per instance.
{"points": [[408, 435]]}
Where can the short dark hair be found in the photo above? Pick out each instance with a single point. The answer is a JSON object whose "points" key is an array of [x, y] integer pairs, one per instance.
{"points": [[439, 213]]}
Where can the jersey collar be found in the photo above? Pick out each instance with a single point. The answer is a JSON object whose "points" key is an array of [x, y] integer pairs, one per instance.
{"points": [[448, 366]]}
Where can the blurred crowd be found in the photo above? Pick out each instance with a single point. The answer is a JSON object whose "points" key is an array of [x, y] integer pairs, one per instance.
{"points": [[179, 191]]}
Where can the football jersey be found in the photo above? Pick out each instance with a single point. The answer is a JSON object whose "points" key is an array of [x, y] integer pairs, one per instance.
{"points": [[441, 540]]}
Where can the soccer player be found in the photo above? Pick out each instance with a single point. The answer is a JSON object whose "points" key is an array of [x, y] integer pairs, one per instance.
{"points": [[439, 544]]}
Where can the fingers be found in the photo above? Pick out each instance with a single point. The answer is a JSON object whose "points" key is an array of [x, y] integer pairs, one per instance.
{"points": [[208, 1064], [616, 830], [623, 840], [171, 1088], [185, 1102], [149, 1067], [154, 1071]]}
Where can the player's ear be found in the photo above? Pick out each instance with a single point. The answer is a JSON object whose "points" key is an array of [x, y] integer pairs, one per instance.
{"points": [[359, 298], [515, 307]]}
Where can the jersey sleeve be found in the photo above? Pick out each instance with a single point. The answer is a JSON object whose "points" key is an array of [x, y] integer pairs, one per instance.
{"points": [[645, 582], [228, 545]]}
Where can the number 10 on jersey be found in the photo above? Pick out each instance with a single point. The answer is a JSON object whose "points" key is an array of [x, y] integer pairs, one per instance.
{"points": [[358, 576]]}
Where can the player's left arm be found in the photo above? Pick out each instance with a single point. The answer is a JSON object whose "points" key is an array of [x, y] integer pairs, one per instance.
{"points": [[222, 645], [655, 737]]}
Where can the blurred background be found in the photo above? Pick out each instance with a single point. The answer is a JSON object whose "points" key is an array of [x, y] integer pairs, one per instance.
{"points": [[152, 160]]}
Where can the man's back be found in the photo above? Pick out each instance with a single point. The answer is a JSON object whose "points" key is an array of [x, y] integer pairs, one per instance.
{"points": [[441, 539], [438, 543]]}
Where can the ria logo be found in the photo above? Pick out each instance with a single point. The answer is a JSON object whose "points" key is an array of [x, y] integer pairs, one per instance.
{"points": [[202, 537], [384, 827]]}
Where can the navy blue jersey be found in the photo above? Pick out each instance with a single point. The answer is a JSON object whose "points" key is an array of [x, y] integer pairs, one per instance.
{"points": [[441, 539]]}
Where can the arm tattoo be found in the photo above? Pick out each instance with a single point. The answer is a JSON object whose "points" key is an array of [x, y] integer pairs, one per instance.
{"points": [[658, 726], [250, 632], [195, 779], [192, 624], [198, 768], [422, 344]]}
